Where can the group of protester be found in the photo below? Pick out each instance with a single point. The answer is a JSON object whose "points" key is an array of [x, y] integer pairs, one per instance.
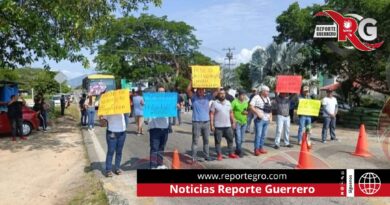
{"points": [[224, 115]]}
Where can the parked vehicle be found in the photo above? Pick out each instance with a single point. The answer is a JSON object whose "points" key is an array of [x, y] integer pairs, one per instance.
{"points": [[30, 122]]}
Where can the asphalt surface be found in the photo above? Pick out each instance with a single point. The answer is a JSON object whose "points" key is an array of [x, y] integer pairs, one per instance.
{"points": [[122, 189]]}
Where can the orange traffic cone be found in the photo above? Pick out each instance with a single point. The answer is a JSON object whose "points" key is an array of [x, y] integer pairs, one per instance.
{"points": [[362, 146], [304, 161], [176, 160]]}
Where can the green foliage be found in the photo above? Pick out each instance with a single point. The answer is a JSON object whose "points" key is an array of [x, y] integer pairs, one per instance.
{"points": [[33, 29], [243, 72], [148, 47], [367, 68], [40, 79]]}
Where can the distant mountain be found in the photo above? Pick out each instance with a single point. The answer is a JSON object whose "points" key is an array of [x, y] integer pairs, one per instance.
{"points": [[77, 81]]}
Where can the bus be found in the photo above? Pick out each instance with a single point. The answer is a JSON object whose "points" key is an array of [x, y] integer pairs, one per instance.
{"points": [[91, 80]]}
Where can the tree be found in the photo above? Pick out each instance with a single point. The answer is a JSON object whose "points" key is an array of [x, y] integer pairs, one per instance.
{"points": [[148, 47], [34, 29], [275, 59], [40, 79], [366, 68], [243, 72]]}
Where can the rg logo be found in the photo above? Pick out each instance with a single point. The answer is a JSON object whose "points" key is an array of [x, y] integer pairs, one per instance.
{"points": [[348, 26]]}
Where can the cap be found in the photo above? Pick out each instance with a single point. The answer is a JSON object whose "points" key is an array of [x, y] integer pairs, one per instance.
{"points": [[241, 92]]}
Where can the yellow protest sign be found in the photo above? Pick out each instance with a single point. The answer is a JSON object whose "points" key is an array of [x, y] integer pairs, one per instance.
{"points": [[309, 107], [206, 76], [114, 102]]}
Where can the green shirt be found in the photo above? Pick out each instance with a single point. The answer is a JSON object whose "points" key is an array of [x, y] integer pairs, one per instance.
{"points": [[238, 107]]}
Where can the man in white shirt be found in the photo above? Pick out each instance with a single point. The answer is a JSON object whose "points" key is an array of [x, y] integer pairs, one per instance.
{"points": [[115, 136], [158, 133], [329, 104], [222, 124], [261, 107]]}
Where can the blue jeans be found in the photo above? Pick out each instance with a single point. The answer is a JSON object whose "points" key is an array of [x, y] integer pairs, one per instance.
{"points": [[240, 135], [127, 120], [91, 117], [158, 140], [329, 123], [249, 121], [303, 122], [261, 127], [115, 142], [83, 120], [282, 121]]}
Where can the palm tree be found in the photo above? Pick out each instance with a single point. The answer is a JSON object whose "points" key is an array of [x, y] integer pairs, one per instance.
{"points": [[275, 59]]}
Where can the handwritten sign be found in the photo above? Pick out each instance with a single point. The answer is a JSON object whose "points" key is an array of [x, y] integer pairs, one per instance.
{"points": [[288, 83], [160, 104], [206, 76], [309, 107], [114, 102]]}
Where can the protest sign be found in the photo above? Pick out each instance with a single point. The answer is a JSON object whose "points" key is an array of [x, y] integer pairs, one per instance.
{"points": [[309, 107], [206, 76], [160, 104], [288, 83], [114, 102]]}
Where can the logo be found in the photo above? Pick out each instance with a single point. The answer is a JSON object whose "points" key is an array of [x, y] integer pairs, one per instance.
{"points": [[347, 28], [369, 183]]}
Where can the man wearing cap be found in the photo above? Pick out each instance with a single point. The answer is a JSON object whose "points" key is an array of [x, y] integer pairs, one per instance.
{"points": [[261, 106], [250, 114], [329, 104], [222, 124], [283, 119], [200, 120], [304, 120], [240, 111]]}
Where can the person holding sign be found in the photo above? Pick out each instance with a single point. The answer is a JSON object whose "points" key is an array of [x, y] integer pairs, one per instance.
{"points": [[159, 128], [261, 106], [304, 120], [329, 104], [115, 137], [222, 124], [283, 102], [240, 111], [138, 103], [200, 120]]}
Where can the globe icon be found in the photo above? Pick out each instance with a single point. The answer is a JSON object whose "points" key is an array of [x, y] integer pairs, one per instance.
{"points": [[369, 183]]}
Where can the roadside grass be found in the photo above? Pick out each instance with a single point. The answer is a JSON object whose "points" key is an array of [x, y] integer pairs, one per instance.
{"points": [[91, 192]]}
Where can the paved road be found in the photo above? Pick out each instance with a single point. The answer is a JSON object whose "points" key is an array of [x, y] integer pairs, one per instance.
{"points": [[136, 153]]}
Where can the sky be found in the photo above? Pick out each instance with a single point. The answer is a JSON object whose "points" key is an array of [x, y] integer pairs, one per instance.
{"points": [[244, 25]]}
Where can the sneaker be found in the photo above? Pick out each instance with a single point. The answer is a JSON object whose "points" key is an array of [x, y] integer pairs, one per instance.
{"points": [[109, 174], [247, 131], [262, 151], [208, 159], [219, 157], [257, 152], [233, 156], [241, 155], [299, 142], [23, 138], [276, 146], [324, 141], [162, 167], [289, 145], [335, 139], [238, 152], [118, 172]]}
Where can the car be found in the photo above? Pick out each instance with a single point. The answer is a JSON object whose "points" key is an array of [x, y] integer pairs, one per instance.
{"points": [[56, 99], [30, 122]]}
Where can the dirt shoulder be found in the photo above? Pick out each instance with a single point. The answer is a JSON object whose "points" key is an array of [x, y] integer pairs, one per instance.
{"points": [[48, 168]]}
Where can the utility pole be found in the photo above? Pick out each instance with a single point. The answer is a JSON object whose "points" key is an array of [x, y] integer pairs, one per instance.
{"points": [[226, 71], [229, 56]]}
